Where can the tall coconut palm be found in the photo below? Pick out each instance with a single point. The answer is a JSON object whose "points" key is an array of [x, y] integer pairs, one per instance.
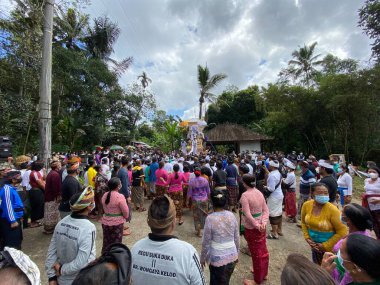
{"points": [[206, 83], [144, 79], [100, 41], [70, 28], [304, 63]]}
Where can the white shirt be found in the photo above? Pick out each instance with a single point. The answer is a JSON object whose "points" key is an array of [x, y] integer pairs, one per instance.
{"points": [[168, 167], [250, 168], [372, 188], [274, 178], [166, 262], [25, 180], [291, 179], [345, 180]]}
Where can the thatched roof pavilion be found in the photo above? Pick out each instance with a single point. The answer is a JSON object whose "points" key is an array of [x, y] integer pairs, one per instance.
{"points": [[243, 138]]}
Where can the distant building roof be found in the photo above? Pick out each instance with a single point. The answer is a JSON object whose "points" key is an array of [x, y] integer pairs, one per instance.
{"points": [[233, 133]]}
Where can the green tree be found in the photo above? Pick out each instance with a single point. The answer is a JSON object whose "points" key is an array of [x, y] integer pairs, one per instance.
{"points": [[369, 21], [303, 65], [206, 83], [144, 79], [100, 41]]}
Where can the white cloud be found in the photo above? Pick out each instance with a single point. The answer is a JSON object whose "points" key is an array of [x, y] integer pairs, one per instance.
{"points": [[248, 40]]}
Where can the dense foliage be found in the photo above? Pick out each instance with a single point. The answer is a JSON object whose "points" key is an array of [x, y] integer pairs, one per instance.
{"points": [[89, 106]]}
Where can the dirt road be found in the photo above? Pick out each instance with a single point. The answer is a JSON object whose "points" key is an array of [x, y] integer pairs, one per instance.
{"points": [[35, 244]]}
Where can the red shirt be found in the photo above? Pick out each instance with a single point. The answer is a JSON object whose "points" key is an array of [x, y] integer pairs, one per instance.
{"points": [[34, 177], [53, 186]]}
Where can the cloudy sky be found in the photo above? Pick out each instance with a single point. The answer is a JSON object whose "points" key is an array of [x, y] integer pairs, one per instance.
{"points": [[249, 40]]}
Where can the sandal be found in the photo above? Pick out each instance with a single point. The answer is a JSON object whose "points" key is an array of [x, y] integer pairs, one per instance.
{"points": [[180, 223], [126, 233], [36, 225], [142, 210]]}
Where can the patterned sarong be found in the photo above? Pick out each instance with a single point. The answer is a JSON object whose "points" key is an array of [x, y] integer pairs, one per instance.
{"points": [[185, 187], [51, 216], [111, 235], [177, 198], [290, 204], [137, 195], [200, 212], [232, 195], [260, 257], [160, 190]]}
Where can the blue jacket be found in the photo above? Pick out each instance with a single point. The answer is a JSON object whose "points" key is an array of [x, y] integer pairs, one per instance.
{"points": [[153, 168], [11, 205]]}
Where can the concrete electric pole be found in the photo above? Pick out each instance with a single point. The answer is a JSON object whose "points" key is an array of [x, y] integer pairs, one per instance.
{"points": [[45, 84]]}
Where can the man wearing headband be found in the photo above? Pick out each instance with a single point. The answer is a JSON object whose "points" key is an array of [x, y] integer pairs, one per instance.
{"points": [[72, 246], [161, 258], [11, 211], [70, 186]]}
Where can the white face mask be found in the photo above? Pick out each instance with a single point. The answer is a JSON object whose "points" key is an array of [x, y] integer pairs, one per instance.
{"points": [[373, 175]]}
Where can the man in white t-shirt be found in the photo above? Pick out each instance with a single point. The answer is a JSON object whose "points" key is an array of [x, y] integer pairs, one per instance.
{"points": [[161, 258]]}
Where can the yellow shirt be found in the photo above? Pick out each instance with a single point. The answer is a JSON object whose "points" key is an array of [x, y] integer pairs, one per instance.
{"points": [[91, 173], [327, 221]]}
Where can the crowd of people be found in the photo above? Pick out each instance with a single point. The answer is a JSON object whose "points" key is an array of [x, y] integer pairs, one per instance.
{"points": [[229, 196]]}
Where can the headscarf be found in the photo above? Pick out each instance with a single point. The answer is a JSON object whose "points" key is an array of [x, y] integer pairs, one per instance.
{"points": [[84, 200], [161, 224], [54, 162], [73, 166], [16, 258]]}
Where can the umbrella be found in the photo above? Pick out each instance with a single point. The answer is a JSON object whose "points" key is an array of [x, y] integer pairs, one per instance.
{"points": [[116, 147], [97, 147]]}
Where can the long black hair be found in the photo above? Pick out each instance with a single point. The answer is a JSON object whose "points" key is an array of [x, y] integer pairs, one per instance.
{"points": [[176, 169], [113, 184], [359, 216]]}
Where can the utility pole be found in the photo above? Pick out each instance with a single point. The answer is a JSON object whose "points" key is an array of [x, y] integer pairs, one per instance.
{"points": [[45, 84]]}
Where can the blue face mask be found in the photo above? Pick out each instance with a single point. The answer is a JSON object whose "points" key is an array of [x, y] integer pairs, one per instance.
{"points": [[321, 199]]}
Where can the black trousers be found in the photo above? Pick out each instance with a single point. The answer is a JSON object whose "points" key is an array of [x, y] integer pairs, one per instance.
{"points": [[11, 237], [221, 275], [37, 204]]}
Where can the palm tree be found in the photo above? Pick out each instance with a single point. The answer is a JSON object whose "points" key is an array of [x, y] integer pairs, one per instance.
{"points": [[144, 79], [70, 28], [100, 41], [206, 83], [304, 63]]}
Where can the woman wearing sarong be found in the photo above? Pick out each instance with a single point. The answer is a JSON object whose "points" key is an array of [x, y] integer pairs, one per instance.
{"points": [[254, 219], [137, 187], [231, 184], [101, 187], [52, 197], [198, 192], [115, 213], [321, 223], [220, 243], [345, 186], [36, 194], [185, 185], [175, 181], [162, 178], [289, 184], [371, 198]]}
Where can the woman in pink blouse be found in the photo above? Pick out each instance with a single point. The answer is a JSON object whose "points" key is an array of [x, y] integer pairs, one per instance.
{"points": [[162, 179], [175, 191], [116, 211], [255, 218]]}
